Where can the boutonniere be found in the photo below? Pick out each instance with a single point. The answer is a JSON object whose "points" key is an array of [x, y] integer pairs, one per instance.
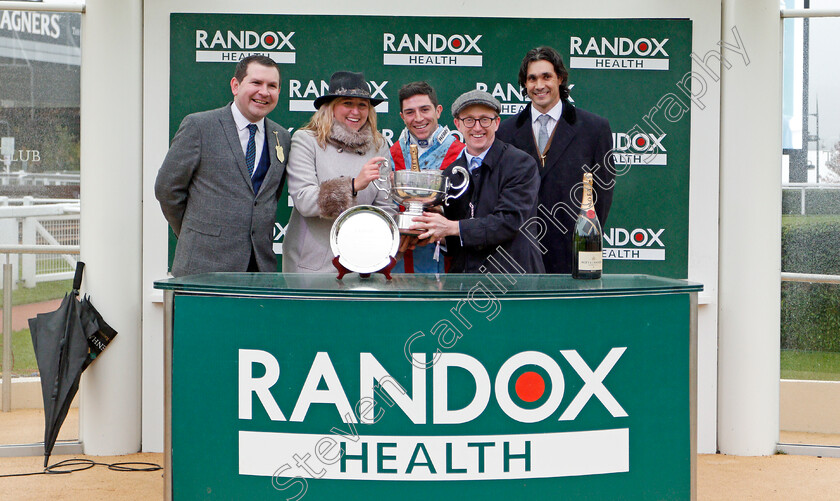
{"points": [[280, 155]]}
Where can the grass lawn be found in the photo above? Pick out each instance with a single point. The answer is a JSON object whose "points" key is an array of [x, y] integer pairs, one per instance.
{"points": [[44, 291], [813, 365], [815, 218], [23, 356]]}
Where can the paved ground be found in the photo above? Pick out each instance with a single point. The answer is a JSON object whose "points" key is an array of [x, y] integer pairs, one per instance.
{"points": [[26, 426], [23, 312], [719, 477], [96, 484], [778, 477]]}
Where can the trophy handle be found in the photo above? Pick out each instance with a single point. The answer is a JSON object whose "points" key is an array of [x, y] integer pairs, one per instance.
{"points": [[376, 185], [462, 186], [383, 163]]}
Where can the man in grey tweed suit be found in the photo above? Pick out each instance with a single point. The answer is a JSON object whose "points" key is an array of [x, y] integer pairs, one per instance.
{"points": [[220, 181]]}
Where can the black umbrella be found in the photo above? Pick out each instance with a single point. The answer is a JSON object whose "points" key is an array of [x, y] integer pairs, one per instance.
{"points": [[66, 341], [97, 332]]}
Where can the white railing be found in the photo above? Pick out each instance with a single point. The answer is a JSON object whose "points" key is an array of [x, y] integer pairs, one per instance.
{"points": [[38, 222], [40, 178], [792, 13], [810, 278], [803, 187]]}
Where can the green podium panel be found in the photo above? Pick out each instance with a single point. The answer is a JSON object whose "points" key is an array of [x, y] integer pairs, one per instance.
{"points": [[426, 387]]}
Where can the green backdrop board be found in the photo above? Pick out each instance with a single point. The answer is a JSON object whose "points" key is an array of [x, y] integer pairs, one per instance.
{"points": [[283, 384], [635, 72]]}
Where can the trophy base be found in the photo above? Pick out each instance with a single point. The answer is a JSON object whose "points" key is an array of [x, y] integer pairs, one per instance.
{"points": [[342, 270], [404, 222]]}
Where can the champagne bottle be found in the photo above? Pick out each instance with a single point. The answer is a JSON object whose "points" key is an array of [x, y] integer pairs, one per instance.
{"points": [[587, 246], [415, 160]]}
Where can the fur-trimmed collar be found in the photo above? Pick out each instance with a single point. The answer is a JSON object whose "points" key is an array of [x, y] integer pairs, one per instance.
{"points": [[343, 137]]}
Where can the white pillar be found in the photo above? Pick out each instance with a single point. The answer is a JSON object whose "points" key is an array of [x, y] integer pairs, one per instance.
{"points": [[111, 159], [750, 229]]}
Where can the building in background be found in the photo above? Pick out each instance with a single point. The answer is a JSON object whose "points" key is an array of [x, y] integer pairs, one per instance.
{"points": [[40, 58]]}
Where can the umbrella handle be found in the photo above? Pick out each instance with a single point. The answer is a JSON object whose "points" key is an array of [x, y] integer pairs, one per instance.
{"points": [[77, 278]]}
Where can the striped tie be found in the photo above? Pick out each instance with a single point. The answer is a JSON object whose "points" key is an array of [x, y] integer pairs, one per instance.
{"points": [[251, 151]]}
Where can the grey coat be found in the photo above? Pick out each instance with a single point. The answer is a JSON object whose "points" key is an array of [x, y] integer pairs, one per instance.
{"points": [[207, 197], [306, 247]]}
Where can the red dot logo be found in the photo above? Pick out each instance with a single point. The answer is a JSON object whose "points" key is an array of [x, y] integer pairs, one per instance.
{"points": [[643, 47], [269, 40], [640, 142], [530, 386], [456, 43], [638, 236]]}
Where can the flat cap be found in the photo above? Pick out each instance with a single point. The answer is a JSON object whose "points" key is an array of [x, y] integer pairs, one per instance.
{"points": [[475, 97]]}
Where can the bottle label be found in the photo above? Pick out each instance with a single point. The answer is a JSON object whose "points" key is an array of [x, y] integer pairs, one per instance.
{"points": [[590, 261]]}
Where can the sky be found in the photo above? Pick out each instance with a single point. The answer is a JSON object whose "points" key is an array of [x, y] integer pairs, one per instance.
{"points": [[824, 74]]}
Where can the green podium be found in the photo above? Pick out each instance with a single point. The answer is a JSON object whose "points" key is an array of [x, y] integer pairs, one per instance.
{"points": [[290, 386]]}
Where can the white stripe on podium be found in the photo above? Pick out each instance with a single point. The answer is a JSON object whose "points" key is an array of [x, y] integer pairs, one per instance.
{"points": [[468, 457]]}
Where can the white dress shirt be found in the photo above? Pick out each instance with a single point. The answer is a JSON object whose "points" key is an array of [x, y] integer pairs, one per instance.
{"points": [[244, 134], [470, 157], [553, 114]]}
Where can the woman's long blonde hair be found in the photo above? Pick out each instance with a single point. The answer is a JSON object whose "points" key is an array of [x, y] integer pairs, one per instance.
{"points": [[322, 121]]}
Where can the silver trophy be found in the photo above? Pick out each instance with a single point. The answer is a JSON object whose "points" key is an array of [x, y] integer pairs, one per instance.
{"points": [[419, 190]]}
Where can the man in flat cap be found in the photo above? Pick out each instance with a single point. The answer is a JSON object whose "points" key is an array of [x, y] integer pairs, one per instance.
{"points": [[482, 227]]}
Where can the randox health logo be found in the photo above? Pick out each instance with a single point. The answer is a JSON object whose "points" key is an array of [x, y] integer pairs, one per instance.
{"points": [[527, 388], [431, 49], [302, 94], [229, 46], [618, 53], [639, 148], [512, 97], [638, 244]]}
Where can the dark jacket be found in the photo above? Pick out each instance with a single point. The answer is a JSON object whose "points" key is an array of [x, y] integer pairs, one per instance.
{"points": [[492, 212], [580, 139]]}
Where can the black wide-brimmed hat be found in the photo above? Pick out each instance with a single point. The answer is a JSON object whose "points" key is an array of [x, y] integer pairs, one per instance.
{"points": [[347, 84]]}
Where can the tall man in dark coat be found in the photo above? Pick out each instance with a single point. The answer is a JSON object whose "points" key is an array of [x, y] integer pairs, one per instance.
{"points": [[566, 142], [220, 182], [482, 227]]}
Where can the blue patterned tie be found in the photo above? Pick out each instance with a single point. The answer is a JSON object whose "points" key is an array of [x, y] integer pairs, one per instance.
{"points": [[251, 151], [475, 163], [475, 170]]}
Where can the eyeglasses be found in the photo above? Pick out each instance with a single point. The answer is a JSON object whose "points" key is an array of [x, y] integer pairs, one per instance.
{"points": [[469, 122]]}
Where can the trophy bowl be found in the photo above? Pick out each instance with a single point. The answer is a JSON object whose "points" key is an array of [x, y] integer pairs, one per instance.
{"points": [[419, 190]]}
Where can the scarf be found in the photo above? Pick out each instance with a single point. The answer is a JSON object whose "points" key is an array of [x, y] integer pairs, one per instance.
{"points": [[344, 138]]}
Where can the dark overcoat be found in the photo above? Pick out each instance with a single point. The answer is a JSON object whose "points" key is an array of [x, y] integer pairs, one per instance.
{"points": [[581, 142]]}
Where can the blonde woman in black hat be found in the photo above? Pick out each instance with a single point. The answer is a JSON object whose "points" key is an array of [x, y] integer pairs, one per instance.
{"points": [[332, 164]]}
